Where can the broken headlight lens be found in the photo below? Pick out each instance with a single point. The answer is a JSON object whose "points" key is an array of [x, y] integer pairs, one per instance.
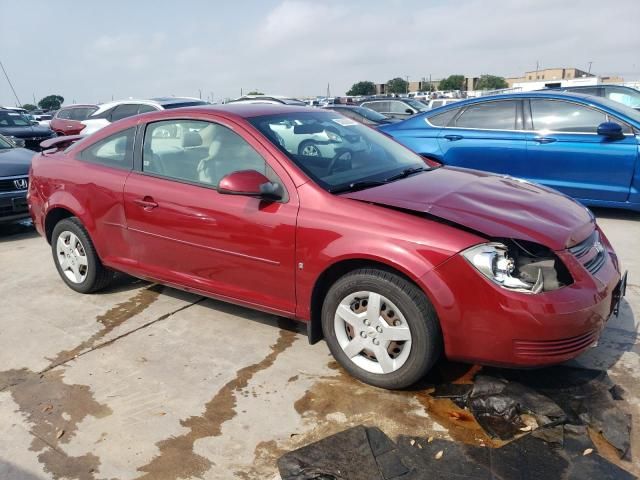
{"points": [[494, 261]]}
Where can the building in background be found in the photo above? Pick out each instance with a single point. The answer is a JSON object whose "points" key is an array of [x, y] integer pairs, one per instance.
{"points": [[558, 77]]}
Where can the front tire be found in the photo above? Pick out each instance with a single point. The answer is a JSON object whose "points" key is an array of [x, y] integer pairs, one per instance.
{"points": [[381, 328], [76, 259]]}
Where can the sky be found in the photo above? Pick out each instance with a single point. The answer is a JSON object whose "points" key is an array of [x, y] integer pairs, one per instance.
{"points": [[93, 51]]}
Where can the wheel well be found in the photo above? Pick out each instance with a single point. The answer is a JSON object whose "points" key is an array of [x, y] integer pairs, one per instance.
{"points": [[328, 278], [53, 217]]}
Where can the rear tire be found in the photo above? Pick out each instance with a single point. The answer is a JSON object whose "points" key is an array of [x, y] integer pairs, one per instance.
{"points": [[76, 259], [381, 328]]}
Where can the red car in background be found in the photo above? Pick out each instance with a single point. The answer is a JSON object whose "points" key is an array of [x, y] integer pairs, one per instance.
{"points": [[67, 120], [393, 262]]}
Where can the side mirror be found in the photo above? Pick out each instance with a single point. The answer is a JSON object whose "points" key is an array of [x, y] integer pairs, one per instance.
{"points": [[610, 130], [251, 184], [409, 111], [34, 122]]}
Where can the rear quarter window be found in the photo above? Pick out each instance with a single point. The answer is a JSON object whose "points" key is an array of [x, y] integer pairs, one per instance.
{"points": [[114, 151], [443, 119]]}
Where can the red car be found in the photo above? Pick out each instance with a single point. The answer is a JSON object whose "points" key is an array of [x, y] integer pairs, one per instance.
{"points": [[67, 120], [394, 262]]}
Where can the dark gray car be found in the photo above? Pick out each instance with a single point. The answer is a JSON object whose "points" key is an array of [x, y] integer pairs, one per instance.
{"points": [[17, 125], [14, 181]]}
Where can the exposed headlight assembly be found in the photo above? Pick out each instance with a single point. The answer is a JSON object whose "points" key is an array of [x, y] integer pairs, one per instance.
{"points": [[527, 269]]}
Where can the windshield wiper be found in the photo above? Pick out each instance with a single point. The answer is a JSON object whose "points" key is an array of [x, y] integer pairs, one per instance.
{"points": [[405, 173], [352, 187]]}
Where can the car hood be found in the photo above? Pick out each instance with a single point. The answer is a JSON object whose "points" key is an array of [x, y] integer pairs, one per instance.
{"points": [[494, 205], [26, 132], [15, 161]]}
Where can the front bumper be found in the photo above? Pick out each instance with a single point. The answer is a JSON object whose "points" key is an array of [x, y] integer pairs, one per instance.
{"points": [[487, 324], [13, 206]]}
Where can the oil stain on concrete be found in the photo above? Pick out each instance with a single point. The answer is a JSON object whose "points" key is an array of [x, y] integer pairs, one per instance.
{"points": [[54, 409], [177, 458]]}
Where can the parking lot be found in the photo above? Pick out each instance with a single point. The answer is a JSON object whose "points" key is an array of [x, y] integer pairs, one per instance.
{"points": [[144, 381]]}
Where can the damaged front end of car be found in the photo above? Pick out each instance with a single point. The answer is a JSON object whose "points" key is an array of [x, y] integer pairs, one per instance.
{"points": [[519, 265]]}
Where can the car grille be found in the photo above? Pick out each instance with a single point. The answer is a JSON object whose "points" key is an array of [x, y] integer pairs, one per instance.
{"points": [[33, 143], [9, 185], [554, 348], [590, 253]]}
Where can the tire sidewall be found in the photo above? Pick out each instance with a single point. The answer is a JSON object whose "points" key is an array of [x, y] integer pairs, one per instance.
{"points": [[70, 225], [425, 331]]}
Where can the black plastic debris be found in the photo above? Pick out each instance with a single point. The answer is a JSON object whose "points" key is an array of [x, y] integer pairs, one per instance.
{"points": [[359, 453], [367, 453], [553, 396]]}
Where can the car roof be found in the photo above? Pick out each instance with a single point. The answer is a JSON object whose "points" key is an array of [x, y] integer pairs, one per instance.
{"points": [[171, 100]]}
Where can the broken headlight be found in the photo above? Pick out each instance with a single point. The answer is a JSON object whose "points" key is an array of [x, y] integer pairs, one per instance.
{"points": [[519, 266]]}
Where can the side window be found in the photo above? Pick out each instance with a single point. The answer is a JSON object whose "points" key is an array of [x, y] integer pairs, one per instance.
{"points": [[381, 107], [595, 91], [352, 115], [146, 108], [124, 111], [113, 151], [560, 116], [490, 115], [197, 152], [64, 114], [399, 107], [437, 103], [443, 119]]}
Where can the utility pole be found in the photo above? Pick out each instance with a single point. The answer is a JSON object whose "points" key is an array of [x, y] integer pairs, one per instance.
{"points": [[407, 77], [328, 90], [10, 85], [200, 94], [589, 71]]}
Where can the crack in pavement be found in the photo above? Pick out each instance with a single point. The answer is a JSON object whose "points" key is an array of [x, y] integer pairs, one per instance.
{"points": [[177, 458], [53, 409]]}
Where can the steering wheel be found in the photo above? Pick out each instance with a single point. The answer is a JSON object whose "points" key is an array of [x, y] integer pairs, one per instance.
{"points": [[340, 153]]}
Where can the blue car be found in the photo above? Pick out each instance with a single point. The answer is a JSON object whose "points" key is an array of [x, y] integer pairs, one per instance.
{"points": [[584, 146]]}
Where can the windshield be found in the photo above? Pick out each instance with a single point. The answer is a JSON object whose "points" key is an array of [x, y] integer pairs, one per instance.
{"points": [[370, 114], [336, 152], [421, 107], [4, 143], [13, 119]]}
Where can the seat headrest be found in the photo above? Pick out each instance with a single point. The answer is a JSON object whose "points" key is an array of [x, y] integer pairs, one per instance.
{"points": [[191, 139]]}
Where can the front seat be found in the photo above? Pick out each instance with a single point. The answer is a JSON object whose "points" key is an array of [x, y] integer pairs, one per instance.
{"points": [[228, 153]]}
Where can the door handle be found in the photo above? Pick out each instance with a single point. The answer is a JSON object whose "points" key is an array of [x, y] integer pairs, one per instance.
{"points": [[147, 203], [453, 138], [545, 139]]}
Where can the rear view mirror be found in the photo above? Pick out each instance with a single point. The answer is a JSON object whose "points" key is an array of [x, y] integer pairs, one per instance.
{"points": [[251, 184], [610, 130]]}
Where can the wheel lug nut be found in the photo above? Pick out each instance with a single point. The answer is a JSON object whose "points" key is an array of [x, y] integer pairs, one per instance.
{"points": [[363, 334], [397, 323], [367, 323], [375, 341], [379, 329]]}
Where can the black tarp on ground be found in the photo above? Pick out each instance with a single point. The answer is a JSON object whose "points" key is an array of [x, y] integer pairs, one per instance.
{"points": [[362, 453]]}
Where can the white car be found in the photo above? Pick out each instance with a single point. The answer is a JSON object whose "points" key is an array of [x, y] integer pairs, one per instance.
{"points": [[307, 139], [269, 99], [441, 102], [110, 112]]}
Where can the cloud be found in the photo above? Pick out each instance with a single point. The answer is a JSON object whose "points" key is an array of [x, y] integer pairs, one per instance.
{"points": [[296, 47]]}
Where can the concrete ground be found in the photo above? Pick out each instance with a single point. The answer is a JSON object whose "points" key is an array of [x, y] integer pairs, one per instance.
{"points": [[143, 381]]}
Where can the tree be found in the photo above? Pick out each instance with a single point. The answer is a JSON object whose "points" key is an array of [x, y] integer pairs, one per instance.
{"points": [[491, 82], [364, 87], [29, 107], [51, 102], [452, 82], [397, 85], [255, 92]]}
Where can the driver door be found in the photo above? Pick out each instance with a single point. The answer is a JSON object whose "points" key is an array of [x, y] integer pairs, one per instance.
{"points": [[185, 232]]}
